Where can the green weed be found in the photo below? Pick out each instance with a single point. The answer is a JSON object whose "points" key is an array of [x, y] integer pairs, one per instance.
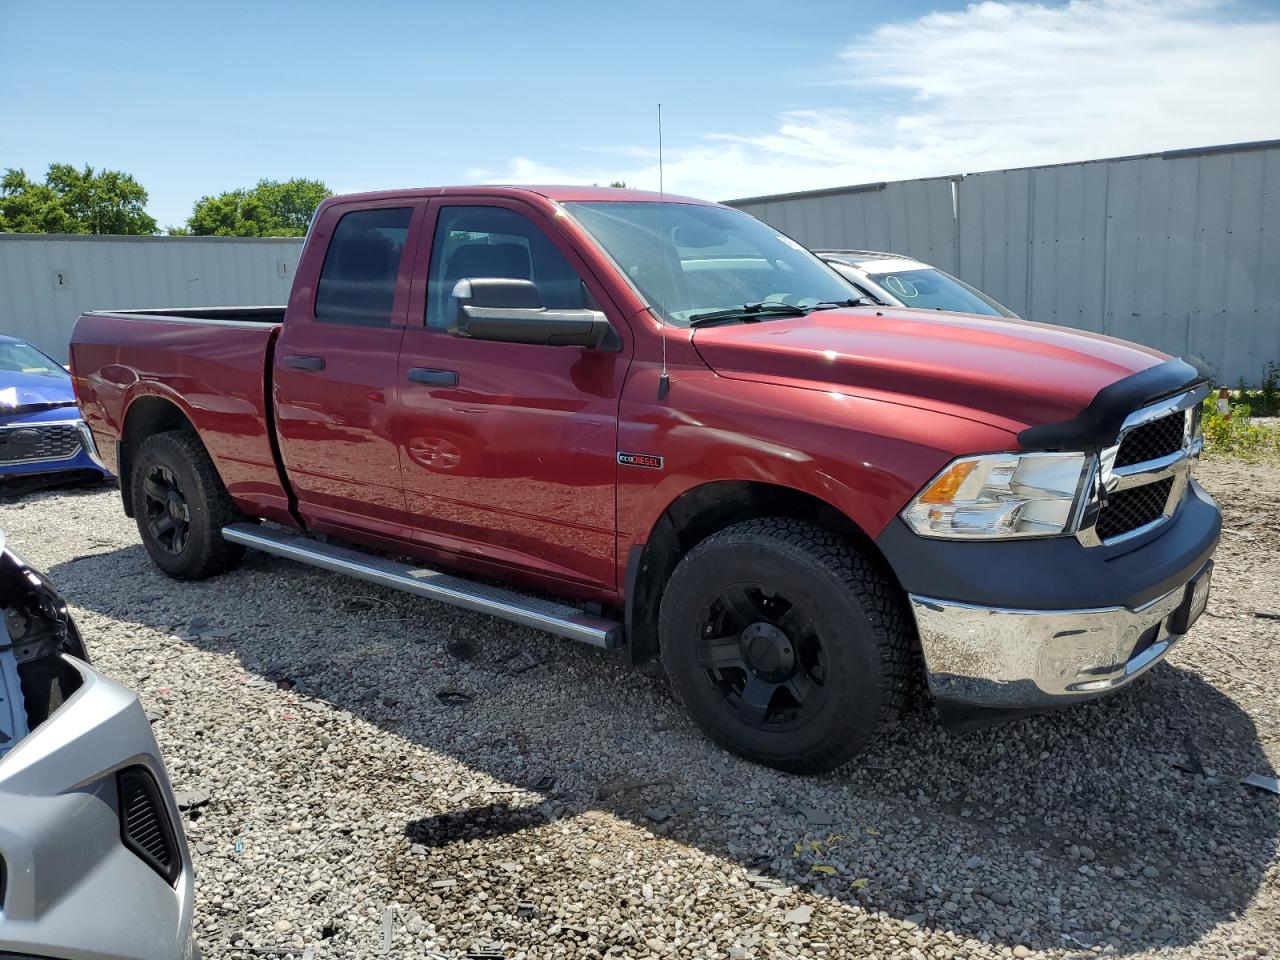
{"points": [[1239, 435]]}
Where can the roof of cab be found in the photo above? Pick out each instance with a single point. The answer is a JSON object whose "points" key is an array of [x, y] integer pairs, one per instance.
{"points": [[560, 194]]}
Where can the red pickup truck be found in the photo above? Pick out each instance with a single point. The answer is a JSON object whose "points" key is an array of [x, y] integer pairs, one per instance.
{"points": [[659, 423]]}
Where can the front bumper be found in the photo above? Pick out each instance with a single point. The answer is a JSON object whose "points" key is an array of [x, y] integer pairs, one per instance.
{"points": [[1021, 626], [72, 888], [1023, 660], [82, 459]]}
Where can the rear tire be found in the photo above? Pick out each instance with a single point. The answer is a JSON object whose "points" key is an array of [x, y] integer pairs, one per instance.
{"points": [[786, 645], [181, 506]]}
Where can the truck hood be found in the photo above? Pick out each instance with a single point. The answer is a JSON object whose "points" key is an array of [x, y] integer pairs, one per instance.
{"points": [[20, 392], [1008, 373]]}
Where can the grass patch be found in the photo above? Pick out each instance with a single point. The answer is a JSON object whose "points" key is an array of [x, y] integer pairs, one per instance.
{"points": [[1264, 401], [1238, 435]]}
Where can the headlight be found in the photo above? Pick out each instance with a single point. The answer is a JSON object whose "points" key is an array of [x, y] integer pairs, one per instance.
{"points": [[1001, 495]]}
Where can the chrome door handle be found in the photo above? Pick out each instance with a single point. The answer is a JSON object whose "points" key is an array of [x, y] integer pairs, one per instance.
{"points": [[304, 363], [433, 378]]}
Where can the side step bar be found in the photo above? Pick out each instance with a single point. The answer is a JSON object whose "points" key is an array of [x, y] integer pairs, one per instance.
{"points": [[557, 618]]}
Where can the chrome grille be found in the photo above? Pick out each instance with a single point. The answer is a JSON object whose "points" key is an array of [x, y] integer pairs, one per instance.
{"points": [[38, 442], [1151, 441], [1140, 480], [1130, 509]]}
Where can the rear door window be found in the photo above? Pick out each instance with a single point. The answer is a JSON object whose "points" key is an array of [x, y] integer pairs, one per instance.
{"points": [[358, 280]]}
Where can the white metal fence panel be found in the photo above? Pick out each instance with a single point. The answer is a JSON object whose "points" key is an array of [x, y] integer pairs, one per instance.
{"points": [[915, 217], [47, 280], [1179, 250]]}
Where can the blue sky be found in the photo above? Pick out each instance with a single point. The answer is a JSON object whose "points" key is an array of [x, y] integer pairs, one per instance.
{"points": [[758, 96]]}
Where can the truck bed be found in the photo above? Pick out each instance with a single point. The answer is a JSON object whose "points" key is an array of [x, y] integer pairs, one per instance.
{"points": [[208, 362], [267, 314]]}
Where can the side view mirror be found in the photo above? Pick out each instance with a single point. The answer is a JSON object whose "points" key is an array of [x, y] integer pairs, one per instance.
{"points": [[511, 311]]}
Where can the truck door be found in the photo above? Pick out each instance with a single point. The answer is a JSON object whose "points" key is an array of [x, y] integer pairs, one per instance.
{"points": [[509, 450], [334, 371]]}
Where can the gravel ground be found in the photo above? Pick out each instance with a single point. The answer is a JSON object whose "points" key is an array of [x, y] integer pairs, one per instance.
{"points": [[391, 777]]}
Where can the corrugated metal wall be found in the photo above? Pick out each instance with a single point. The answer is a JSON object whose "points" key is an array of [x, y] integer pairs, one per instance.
{"points": [[47, 280], [913, 215], [1179, 250]]}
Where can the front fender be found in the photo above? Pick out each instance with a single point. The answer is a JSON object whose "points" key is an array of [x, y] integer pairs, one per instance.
{"points": [[866, 458]]}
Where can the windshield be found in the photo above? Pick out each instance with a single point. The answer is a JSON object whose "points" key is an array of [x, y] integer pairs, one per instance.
{"points": [[18, 357], [687, 259], [930, 289]]}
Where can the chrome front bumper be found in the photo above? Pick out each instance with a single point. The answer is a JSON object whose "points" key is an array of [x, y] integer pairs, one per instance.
{"points": [[1007, 659]]}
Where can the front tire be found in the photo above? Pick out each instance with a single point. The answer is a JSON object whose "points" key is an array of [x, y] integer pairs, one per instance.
{"points": [[786, 645], [181, 506]]}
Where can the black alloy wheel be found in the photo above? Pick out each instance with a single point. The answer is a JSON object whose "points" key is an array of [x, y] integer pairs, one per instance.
{"points": [[168, 515], [763, 655], [786, 643], [181, 505]]}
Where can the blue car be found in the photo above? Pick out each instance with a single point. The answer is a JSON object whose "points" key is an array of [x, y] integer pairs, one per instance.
{"points": [[41, 434]]}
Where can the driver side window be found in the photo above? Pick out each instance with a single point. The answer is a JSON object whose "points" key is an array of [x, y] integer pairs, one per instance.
{"points": [[474, 242]]}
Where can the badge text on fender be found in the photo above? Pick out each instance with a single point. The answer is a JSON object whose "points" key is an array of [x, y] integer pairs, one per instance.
{"points": [[640, 460]]}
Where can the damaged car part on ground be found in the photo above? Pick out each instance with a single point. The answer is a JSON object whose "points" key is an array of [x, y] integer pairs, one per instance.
{"points": [[89, 831], [676, 420]]}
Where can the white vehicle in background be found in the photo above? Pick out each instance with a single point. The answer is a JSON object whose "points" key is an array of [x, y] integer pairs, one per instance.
{"points": [[93, 861], [895, 281]]}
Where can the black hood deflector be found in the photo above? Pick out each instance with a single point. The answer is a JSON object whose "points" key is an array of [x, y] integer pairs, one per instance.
{"points": [[1097, 425]]}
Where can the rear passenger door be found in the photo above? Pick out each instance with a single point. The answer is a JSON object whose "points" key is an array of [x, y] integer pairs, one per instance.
{"points": [[334, 371]]}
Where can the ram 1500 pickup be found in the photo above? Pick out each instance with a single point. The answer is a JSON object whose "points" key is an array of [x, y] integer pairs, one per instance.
{"points": [[658, 422]]}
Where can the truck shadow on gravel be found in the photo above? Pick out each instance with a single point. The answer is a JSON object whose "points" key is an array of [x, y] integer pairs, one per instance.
{"points": [[1118, 821]]}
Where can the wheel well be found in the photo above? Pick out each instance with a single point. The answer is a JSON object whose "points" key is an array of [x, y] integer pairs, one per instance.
{"points": [[147, 416], [696, 515]]}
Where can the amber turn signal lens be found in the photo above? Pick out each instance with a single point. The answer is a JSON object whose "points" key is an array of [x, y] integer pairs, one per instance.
{"points": [[943, 490]]}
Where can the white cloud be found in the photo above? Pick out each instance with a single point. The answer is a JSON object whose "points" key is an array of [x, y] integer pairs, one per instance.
{"points": [[994, 85]]}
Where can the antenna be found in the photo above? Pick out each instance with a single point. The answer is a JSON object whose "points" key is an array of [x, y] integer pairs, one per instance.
{"points": [[664, 381], [660, 190]]}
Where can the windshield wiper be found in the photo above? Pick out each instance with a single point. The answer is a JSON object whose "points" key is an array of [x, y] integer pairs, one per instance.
{"points": [[851, 302], [748, 312]]}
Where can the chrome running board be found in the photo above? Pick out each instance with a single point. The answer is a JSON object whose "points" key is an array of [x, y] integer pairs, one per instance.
{"points": [[557, 618]]}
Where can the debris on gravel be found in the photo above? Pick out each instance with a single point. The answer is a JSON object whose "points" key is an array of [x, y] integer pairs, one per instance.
{"points": [[381, 776], [191, 799]]}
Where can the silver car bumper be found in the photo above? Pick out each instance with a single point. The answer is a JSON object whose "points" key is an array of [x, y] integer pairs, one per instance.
{"points": [[72, 887], [1008, 659]]}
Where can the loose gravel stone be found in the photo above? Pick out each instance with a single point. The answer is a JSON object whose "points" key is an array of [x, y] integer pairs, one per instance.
{"points": [[341, 784]]}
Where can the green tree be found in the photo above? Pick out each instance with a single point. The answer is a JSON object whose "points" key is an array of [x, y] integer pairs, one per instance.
{"points": [[74, 201], [271, 209]]}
